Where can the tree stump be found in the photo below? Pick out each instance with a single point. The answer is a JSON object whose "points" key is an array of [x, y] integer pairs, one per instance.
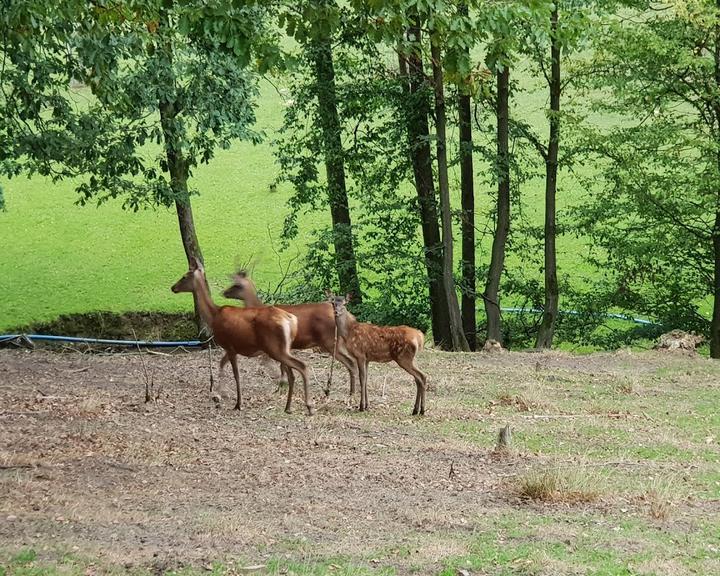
{"points": [[504, 440], [493, 346], [678, 340]]}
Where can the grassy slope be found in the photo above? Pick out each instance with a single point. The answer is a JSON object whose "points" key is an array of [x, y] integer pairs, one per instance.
{"points": [[59, 258]]}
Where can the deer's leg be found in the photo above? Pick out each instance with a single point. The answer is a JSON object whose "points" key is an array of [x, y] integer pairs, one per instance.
{"points": [[408, 364], [349, 363], [344, 357], [364, 386], [291, 387], [362, 366], [233, 362], [285, 376], [300, 366]]}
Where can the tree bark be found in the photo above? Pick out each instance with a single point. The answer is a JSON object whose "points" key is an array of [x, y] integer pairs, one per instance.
{"points": [[335, 168], [502, 226], [715, 321], [417, 111], [467, 199], [178, 170], [550, 309], [458, 341], [467, 203]]}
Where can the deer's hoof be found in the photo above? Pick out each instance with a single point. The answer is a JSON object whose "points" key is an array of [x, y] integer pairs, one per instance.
{"points": [[288, 410]]}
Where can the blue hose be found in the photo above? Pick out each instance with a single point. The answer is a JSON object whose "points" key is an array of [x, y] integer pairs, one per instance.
{"points": [[141, 343], [196, 343], [576, 313]]}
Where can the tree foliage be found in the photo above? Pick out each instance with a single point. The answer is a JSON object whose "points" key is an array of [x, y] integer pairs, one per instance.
{"points": [[130, 56]]}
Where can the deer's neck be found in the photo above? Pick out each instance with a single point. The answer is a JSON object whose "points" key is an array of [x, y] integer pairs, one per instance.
{"points": [[252, 300], [207, 308], [344, 324]]}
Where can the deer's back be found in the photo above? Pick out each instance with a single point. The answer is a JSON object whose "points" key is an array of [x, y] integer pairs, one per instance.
{"points": [[248, 331], [316, 323], [384, 343]]}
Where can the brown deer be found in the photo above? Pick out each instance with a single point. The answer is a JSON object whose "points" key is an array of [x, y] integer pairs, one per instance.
{"points": [[316, 324], [369, 343], [246, 331]]}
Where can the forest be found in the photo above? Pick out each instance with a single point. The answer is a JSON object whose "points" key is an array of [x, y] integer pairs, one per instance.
{"points": [[439, 203]]}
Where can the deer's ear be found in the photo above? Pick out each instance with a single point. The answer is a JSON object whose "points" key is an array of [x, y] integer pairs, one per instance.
{"points": [[329, 294], [348, 297]]}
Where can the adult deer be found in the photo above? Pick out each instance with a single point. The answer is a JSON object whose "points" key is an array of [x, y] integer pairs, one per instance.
{"points": [[246, 331], [369, 343], [316, 324]]}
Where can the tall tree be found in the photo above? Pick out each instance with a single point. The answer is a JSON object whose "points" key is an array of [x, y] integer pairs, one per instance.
{"points": [[173, 75], [417, 113], [502, 218], [550, 309], [658, 216], [316, 26], [467, 186], [457, 335]]}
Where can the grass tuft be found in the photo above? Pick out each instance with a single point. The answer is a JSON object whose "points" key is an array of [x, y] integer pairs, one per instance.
{"points": [[661, 496], [527, 401], [560, 484]]}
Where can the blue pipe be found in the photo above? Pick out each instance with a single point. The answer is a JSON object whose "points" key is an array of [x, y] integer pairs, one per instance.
{"points": [[141, 343], [196, 343], [576, 313]]}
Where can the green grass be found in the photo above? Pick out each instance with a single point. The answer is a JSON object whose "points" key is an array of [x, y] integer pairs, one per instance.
{"points": [[27, 562], [60, 258]]}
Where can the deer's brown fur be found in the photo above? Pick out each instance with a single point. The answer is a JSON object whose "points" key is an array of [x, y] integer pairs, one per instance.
{"points": [[316, 323], [370, 343], [246, 331]]}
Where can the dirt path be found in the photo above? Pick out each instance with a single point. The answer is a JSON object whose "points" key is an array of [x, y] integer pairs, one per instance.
{"points": [[87, 466]]}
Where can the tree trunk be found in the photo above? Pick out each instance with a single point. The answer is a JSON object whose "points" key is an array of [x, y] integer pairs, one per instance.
{"points": [[502, 227], [715, 322], [467, 190], [550, 310], [335, 169], [417, 111], [467, 202], [178, 170], [458, 340]]}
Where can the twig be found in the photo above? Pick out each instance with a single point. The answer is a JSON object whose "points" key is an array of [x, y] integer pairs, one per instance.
{"points": [[121, 466], [148, 382], [156, 353], [24, 413], [210, 360], [332, 362]]}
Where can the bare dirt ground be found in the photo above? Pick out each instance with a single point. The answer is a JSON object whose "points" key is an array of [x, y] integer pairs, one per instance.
{"points": [[87, 467]]}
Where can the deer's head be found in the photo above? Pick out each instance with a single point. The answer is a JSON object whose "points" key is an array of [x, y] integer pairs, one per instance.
{"points": [[339, 303], [242, 288], [188, 282]]}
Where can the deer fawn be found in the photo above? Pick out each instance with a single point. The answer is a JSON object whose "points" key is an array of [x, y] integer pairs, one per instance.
{"points": [[369, 343], [316, 324], [246, 331]]}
